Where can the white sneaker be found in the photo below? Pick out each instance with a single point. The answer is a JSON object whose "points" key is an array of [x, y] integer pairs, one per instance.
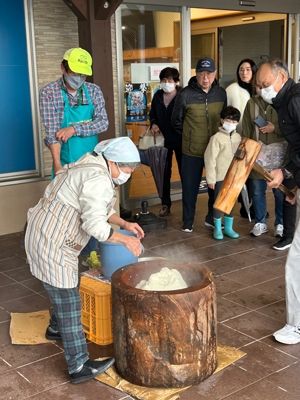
{"points": [[278, 230], [288, 334], [187, 230], [259, 228]]}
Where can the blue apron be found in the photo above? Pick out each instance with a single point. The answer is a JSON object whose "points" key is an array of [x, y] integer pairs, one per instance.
{"points": [[77, 146]]}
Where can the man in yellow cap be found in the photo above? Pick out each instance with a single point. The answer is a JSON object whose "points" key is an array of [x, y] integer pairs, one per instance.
{"points": [[72, 110], [73, 113]]}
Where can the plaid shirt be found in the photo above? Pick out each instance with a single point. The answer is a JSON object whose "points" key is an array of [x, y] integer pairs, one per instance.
{"points": [[52, 110]]}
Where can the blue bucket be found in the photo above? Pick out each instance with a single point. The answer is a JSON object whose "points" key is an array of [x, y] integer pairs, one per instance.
{"points": [[115, 255]]}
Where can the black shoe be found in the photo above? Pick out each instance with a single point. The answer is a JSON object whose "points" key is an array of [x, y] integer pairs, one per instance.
{"points": [[90, 369], [283, 244], [164, 211], [51, 334], [243, 212], [124, 213]]}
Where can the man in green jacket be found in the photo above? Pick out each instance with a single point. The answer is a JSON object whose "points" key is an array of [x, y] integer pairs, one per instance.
{"points": [[196, 116], [267, 134]]}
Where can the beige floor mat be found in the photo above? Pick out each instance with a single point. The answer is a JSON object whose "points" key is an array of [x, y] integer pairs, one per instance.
{"points": [[226, 356], [29, 329]]}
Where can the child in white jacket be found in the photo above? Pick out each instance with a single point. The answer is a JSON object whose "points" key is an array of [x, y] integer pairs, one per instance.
{"points": [[217, 158]]}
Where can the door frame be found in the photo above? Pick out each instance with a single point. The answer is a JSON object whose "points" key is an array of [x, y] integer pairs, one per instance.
{"points": [[293, 58]]}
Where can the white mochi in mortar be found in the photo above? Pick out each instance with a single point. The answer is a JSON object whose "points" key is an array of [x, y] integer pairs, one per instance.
{"points": [[165, 279]]}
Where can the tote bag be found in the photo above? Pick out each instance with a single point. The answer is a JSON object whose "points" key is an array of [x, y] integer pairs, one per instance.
{"points": [[271, 156], [149, 140]]}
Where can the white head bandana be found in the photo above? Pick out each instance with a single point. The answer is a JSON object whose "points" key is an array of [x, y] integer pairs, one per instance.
{"points": [[121, 149]]}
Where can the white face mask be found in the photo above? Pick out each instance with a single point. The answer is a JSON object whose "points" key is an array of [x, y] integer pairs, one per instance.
{"points": [[122, 178], [269, 93], [229, 126], [168, 87]]}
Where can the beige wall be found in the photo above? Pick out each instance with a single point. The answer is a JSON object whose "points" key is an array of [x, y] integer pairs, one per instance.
{"points": [[198, 13], [14, 203], [56, 30], [164, 28]]}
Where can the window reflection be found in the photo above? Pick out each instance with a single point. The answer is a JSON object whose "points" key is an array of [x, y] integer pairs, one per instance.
{"points": [[151, 42]]}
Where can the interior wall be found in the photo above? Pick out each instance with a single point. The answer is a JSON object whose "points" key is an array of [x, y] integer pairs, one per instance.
{"points": [[164, 28], [276, 34], [234, 49], [198, 13]]}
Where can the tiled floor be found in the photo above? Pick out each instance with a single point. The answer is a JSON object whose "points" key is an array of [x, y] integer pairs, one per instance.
{"points": [[250, 287]]}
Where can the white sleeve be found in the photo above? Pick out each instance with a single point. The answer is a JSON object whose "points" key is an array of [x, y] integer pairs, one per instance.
{"points": [[233, 96], [210, 159], [95, 200]]}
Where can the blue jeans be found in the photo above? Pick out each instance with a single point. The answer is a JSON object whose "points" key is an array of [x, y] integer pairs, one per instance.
{"points": [[258, 189]]}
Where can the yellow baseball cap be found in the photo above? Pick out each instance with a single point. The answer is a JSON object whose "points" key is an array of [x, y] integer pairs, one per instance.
{"points": [[79, 60]]}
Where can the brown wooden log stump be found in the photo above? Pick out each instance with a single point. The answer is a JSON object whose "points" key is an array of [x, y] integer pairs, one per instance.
{"points": [[237, 175], [164, 338]]}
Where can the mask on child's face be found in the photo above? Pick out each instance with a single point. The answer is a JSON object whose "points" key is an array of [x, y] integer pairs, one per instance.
{"points": [[229, 126]]}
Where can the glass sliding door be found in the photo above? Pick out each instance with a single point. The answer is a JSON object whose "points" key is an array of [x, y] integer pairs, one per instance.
{"points": [[204, 43], [230, 36], [150, 42]]}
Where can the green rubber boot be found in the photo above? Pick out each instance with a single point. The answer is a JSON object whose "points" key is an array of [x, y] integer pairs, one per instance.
{"points": [[228, 231], [218, 235]]}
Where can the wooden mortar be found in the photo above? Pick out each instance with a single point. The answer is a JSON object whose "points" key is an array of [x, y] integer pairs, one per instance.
{"points": [[164, 338]]}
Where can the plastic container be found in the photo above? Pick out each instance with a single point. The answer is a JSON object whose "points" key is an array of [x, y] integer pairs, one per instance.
{"points": [[96, 315], [115, 256]]}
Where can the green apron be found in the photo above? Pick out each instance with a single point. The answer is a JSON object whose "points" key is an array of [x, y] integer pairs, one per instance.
{"points": [[77, 146]]}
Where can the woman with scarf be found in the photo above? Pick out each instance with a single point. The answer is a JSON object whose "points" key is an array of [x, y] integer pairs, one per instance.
{"points": [[239, 92], [77, 204]]}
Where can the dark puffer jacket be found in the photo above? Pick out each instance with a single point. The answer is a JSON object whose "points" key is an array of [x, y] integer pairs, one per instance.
{"points": [[196, 116], [287, 105]]}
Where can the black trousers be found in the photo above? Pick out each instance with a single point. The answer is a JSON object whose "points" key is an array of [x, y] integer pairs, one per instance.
{"points": [[191, 173], [176, 148]]}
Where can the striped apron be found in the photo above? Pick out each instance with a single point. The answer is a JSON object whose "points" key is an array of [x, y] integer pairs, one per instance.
{"points": [[54, 237]]}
